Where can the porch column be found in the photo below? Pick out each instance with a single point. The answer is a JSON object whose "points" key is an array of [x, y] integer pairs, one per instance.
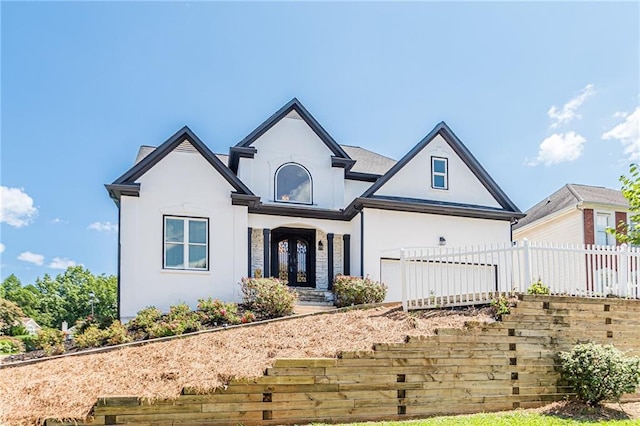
{"points": [[266, 233], [330, 260], [346, 254]]}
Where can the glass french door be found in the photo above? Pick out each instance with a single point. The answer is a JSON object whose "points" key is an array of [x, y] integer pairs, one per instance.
{"points": [[293, 259]]}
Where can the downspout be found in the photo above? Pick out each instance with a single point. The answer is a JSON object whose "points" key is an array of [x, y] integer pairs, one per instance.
{"points": [[119, 255], [362, 242]]}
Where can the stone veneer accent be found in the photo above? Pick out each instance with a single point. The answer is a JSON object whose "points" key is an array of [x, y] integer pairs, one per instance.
{"points": [[322, 281], [337, 254], [257, 251]]}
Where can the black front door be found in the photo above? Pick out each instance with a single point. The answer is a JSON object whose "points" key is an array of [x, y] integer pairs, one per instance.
{"points": [[293, 256]]}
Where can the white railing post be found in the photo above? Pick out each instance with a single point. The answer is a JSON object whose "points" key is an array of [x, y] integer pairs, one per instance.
{"points": [[403, 279], [623, 271], [526, 246]]}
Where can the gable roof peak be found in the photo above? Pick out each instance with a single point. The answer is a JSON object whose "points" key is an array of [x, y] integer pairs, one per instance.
{"points": [[465, 155], [126, 184], [240, 149]]}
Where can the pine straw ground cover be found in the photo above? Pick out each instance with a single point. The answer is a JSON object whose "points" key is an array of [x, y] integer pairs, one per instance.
{"points": [[68, 387]]}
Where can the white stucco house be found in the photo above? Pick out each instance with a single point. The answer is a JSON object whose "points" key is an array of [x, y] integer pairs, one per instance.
{"points": [[289, 201]]}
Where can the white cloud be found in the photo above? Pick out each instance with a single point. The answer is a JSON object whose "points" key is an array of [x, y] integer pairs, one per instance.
{"points": [[559, 148], [103, 227], [27, 256], [627, 132], [569, 110], [16, 207], [2, 247], [61, 263], [620, 114], [57, 220]]}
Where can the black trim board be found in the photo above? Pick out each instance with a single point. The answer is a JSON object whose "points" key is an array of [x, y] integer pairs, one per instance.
{"points": [[432, 207], [293, 105], [184, 134], [330, 259], [465, 155]]}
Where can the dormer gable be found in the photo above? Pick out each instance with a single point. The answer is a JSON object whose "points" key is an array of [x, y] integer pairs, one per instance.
{"points": [[441, 172], [296, 111], [183, 140]]}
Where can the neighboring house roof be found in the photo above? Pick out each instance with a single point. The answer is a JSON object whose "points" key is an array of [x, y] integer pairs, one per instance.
{"points": [[26, 321], [465, 155], [573, 195], [126, 185]]}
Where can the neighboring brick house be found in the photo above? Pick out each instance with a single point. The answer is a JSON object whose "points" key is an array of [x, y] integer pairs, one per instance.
{"points": [[574, 214]]}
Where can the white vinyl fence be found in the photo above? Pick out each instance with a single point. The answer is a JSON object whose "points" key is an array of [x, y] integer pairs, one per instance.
{"points": [[442, 276]]}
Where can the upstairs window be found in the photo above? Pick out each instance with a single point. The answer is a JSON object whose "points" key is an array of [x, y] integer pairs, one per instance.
{"points": [[293, 184], [439, 173], [186, 242]]}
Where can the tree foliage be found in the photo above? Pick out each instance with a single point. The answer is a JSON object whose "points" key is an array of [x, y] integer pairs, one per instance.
{"points": [[10, 316], [630, 232], [67, 297]]}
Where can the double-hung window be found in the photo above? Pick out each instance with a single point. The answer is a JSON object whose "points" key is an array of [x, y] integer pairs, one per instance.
{"points": [[603, 221], [439, 171], [186, 242]]}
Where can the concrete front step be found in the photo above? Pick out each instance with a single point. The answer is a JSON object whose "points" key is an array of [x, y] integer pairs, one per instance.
{"points": [[313, 296]]}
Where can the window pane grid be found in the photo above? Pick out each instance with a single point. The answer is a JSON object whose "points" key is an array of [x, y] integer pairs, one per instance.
{"points": [[439, 173], [186, 243]]}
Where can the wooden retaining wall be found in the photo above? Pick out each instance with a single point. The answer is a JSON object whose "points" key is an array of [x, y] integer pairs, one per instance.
{"points": [[492, 367]]}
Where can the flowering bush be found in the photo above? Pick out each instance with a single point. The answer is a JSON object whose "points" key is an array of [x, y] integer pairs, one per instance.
{"points": [[248, 317], [357, 290], [215, 312], [598, 373], [268, 297]]}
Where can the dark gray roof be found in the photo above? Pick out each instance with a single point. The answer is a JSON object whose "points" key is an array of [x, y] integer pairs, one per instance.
{"points": [[366, 161], [573, 195]]}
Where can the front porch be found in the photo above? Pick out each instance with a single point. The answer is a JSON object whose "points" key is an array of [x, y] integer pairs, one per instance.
{"points": [[307, 258]]}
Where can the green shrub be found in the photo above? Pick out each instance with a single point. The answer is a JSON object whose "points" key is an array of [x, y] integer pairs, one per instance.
{"points": [[117, 334], [501, 306], [268, 297], [599, 373], [29, 341], [215, 312], [538, 288], [51, 341], [350, 290], [91, 337], [145, 319], [11, 345]]}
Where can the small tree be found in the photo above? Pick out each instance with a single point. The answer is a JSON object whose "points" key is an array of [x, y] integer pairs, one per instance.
{"points": [[624, 232], [598, 373], [10, 316]]}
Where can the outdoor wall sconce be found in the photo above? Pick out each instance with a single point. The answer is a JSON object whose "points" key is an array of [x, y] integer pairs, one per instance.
{"points": [[442, 241], [320, 246]]}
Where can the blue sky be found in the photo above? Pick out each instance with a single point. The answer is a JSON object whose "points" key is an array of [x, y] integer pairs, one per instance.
{"points": [[543, 94]]}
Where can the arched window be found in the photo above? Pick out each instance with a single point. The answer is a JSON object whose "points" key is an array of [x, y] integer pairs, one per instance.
{"points": [[293, 184]]}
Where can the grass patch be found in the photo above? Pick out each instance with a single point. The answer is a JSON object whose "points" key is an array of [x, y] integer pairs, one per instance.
{"points": [[517, 418]]}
